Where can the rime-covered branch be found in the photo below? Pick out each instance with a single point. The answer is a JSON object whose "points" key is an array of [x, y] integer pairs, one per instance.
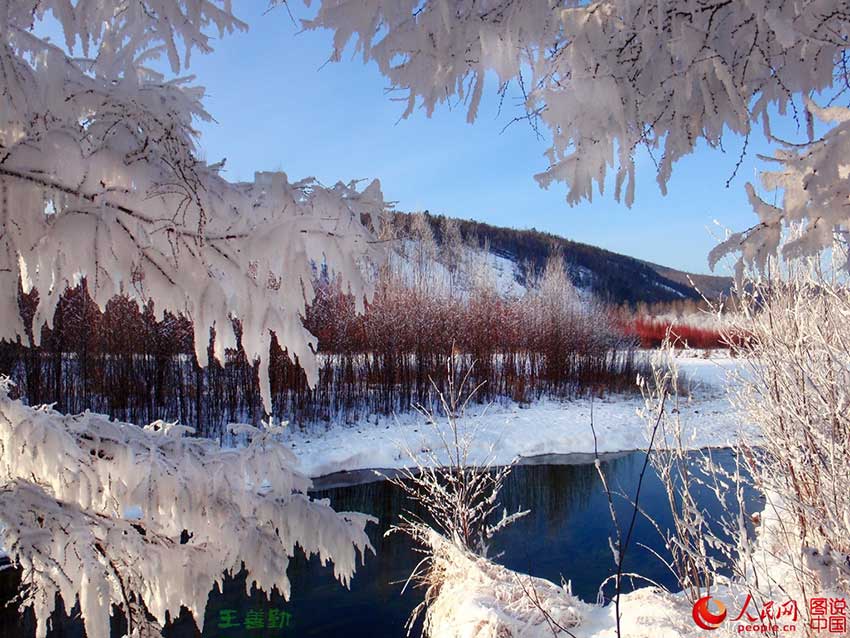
{"points": [[70, 483], [99, 178], [610, 76]]}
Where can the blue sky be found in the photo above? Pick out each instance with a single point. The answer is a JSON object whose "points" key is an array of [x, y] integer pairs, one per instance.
{"points": [[277, 108]]}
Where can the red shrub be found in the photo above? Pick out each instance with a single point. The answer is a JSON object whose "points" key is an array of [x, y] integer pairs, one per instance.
{"points": [[651, 332]]}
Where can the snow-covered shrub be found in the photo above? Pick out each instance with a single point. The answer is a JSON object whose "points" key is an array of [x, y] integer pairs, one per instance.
{"points": [[792, 333], [468, 596], [456, 486], [693, 324], [652, 331], [459, 490], [796, 388], [94, 510], [685, 474]]}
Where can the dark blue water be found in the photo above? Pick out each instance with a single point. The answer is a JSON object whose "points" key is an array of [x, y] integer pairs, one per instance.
{"points": [[564, 536]]}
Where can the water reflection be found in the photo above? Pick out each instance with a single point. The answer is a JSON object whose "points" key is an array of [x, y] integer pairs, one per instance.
{"points": [[565, 535]]}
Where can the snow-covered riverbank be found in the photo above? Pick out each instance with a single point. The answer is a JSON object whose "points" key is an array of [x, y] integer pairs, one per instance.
{"points": [[545, 427]]}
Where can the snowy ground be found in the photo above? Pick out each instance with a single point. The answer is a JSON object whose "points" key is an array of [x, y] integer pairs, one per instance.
{"points": [[546, 427], [477, 598]]}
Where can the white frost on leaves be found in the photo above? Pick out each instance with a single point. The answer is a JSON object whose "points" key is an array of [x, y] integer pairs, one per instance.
{"points": [[100, 178], [71, 482], [611, 78], [813, 183]]}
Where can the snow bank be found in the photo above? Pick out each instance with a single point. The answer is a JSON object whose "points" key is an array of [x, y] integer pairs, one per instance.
{"points": [[472, 597], [545, 427]]}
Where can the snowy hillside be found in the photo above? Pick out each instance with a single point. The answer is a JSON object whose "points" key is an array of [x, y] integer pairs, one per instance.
{"points": [[472, 267], [609, 276]]}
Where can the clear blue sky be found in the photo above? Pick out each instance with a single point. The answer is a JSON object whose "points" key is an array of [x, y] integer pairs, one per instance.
{"points": [[276, 109]]}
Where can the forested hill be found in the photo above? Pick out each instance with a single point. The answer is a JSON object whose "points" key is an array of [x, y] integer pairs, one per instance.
{"points": [[611, 276]]}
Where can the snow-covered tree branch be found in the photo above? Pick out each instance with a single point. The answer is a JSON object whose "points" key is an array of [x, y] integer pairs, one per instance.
{"points": [[94, 509], [99, 178], [812, 178], [610, 76]]}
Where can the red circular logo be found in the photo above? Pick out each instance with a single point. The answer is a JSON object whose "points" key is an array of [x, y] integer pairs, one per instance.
{"points": [[705, 618]]}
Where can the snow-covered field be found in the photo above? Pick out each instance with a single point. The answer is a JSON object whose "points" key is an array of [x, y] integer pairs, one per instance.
{"points": [[545, 427]]}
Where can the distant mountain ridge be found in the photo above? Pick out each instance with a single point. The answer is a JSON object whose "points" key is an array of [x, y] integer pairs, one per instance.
{"points": [[613, 277]]}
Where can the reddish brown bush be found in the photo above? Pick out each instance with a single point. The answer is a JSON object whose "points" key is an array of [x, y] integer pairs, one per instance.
{"points": [[651, 332], [124, 363]]}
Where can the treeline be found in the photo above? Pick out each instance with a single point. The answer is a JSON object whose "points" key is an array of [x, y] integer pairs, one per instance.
{"points": [[549, 342], [122, 362]]}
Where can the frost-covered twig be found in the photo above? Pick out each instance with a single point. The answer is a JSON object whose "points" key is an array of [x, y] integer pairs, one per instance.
{"points": [[530, 591], [623, 541], [794, 334], [457, 488]]}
